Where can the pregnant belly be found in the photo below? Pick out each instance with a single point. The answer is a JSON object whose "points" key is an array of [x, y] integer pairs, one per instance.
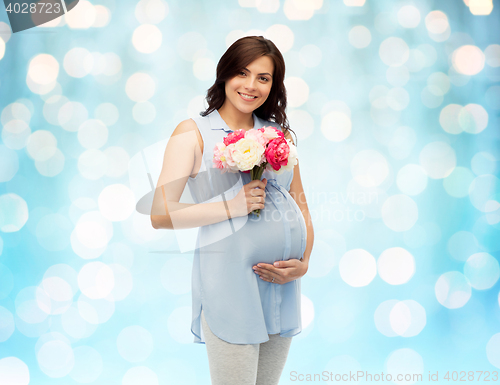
{"points": [[266, 238], [272, 243]]}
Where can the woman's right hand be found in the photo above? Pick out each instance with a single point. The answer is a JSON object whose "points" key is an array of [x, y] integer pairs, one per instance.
{"points": [[252, 196]]}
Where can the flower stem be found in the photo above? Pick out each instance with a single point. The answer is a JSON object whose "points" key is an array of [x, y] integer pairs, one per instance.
{"points": [[256, 174]]}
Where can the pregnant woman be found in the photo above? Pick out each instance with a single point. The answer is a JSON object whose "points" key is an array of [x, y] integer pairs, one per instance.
{"points": [[246, 268]]}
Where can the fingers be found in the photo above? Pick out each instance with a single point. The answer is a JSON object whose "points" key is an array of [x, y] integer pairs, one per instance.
{"points": [[258, 183], [255, 192], [259, 199], [258, 195], [268, 272], [267, 276]]}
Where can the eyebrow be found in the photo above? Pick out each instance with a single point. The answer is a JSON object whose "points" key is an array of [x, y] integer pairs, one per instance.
{"points": [[263, 73]]}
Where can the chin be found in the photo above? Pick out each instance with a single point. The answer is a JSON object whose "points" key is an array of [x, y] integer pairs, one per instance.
{"points": [[247, 109]]}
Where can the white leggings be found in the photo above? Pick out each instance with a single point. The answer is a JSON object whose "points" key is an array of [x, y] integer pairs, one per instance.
{"points": [[252, 364]]}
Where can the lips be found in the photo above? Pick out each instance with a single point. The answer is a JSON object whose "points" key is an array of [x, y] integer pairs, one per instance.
{"points": [[247, 99]]}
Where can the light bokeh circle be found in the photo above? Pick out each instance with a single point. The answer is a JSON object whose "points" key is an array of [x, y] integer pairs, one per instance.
{"points": [[357, 267]]}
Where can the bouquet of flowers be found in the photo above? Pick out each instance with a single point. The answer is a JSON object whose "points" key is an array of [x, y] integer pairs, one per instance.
{"points": [[255, 150]]}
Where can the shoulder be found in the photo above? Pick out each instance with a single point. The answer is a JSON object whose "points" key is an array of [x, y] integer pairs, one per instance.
{"points": [[185, 126], [188, 127]]}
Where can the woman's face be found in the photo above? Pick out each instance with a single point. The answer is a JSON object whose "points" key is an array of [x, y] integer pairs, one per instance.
{"points": [[254, 80]]}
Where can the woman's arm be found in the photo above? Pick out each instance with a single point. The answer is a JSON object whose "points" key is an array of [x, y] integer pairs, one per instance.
{"points": [[178, 162], [297, 193]]}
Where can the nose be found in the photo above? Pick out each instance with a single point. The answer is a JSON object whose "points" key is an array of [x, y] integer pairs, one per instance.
{"points": [[249, 83]]}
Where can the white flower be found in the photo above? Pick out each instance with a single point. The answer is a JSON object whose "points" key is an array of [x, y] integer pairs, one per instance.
{"points": [[245, 154]]}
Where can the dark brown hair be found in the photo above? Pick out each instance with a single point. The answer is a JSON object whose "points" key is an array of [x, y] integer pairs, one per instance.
{"points": [[241, 53]]}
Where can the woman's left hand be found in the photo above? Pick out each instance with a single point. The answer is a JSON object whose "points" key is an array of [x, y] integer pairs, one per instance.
{"points": [[281, 271]]}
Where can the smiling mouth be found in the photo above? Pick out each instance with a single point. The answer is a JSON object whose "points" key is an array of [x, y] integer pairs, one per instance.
{"points": [[247, 97]]}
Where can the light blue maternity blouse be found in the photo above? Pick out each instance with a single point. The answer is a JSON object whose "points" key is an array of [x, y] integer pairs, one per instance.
{"points": [[240, 307]]}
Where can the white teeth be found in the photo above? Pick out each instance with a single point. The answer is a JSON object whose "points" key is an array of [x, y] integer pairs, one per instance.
{"points": [[248, 97]]}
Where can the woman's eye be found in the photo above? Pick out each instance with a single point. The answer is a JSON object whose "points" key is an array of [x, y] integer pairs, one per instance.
{"points": [[242, 73], [266, 79]]}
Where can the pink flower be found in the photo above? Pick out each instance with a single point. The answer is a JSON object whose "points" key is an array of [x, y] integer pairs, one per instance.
{"points": [[228, 154], [277, 153], [234, 136], [271, 132], [258, 136], [219, 157], [292, 160]]}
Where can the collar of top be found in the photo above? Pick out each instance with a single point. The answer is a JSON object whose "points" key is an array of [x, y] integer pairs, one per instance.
{"points": [[217, 123]]}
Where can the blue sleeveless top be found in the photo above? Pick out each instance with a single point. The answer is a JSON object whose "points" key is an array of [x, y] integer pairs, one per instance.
{"points": [[240, 307]]}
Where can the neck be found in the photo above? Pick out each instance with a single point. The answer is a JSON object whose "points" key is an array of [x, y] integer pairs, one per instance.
{"points": [[235, 119]]}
